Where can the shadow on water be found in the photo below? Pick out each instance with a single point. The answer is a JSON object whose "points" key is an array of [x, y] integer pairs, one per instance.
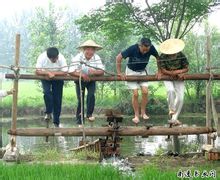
{"points": [[130, 145]]}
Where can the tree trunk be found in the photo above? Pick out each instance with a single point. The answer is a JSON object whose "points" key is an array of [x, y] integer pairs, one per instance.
{"points": [[107, 131]]}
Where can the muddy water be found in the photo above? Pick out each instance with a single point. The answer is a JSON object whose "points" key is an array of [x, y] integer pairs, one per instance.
{"points": [[129, 146]]}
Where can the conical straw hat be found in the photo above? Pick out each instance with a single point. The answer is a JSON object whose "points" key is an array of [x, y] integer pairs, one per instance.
{"points": [[172, 46], [90, 43]]}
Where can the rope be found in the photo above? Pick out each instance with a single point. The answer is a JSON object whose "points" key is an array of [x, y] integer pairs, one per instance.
{"points": [[213, 108], [5, 67], [76, 62], [106, 72]]}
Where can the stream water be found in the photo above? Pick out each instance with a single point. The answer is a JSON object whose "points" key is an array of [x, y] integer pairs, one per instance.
{"points": [[129, 145]]}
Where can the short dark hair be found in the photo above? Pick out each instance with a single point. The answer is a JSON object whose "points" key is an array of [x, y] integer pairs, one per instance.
{"points": [[52, 52], [145, 42]]}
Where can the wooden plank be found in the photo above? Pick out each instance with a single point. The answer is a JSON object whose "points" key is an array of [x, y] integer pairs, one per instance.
{"points": [[1, 77], [114, 78], [107, 131], [89, 146], [15, 86], [208, 87]]}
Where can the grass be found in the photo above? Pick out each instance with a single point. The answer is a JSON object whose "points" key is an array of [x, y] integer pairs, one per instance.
{"points": [[57, 172], [50, 164], [49, 154], [92, 171], [30, 95], [52, 154], [85, 155]]}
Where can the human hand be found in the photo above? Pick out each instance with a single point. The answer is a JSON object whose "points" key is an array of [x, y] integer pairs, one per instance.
{"points": [[122, 76], [158, 75], [181, 76], [91, 71], [11, 92], [50, 74], [85, 77]]}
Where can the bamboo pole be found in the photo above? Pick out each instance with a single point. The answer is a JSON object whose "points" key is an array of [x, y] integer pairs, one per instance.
{"points": [[107, 131], [15, 94], [113, 78], [1, 77], [208, 88]]}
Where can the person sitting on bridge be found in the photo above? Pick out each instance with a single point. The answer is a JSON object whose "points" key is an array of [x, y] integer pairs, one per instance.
{"points": [[87, 63], [51, 63], [138, 55], [173, 63]]}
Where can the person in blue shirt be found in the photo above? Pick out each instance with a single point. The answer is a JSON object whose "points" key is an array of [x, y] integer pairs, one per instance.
{"points": [[138, 57]]}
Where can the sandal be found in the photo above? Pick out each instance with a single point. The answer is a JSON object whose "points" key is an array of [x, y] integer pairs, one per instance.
{"points": [[175, 122], [171, 112], [91, 118]]}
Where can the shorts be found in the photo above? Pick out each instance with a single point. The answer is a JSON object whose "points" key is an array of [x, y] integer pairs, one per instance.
{"points": [[135, 84]]}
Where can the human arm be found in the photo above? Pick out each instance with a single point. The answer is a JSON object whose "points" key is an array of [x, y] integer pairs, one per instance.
{"points": [[119, 59]]}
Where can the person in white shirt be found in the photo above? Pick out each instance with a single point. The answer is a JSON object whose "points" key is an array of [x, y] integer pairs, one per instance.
{"points": [[51, 63], [89, 64]]}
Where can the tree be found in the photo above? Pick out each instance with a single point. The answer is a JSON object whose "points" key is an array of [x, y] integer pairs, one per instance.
{"points": [[159, 21], [171, 18], [9, 27], [52, 27], [196, 53]]}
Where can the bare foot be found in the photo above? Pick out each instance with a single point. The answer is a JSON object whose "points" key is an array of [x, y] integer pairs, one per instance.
{"points": [[145, 116], [136, 120]]}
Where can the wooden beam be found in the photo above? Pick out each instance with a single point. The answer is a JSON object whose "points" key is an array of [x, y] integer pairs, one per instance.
{"points": [[107, 131], [15, 87], [114, 78], [208, 86]]}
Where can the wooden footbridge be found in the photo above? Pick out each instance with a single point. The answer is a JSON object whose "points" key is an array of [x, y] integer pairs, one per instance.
{"points": [[111, 130]]}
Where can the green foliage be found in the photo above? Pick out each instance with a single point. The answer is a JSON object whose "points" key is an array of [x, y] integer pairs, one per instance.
{"points": [[59, 171], [85, 155], [196, 52], [151, 172], [52, 27], [113, 21], [192, 146], [159, 21], [46, 30], [48, 154]]}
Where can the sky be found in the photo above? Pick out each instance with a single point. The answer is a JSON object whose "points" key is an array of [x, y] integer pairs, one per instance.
{"points": [[10, 7]]}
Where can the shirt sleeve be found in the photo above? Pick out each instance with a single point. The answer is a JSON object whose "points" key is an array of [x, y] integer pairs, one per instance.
{"points": [[154, 52], [39, 63], [3, 93], [100, 65], [63, 63], [161, 61], [184, 61], [128, 52], [74, 63]]}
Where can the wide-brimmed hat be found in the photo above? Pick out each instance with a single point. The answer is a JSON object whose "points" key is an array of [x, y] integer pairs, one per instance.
{"points": [[172, 46], [90, 43]]}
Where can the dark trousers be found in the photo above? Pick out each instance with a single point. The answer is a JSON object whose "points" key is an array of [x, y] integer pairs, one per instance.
{"points": [[53, 92], [90, 100]]}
